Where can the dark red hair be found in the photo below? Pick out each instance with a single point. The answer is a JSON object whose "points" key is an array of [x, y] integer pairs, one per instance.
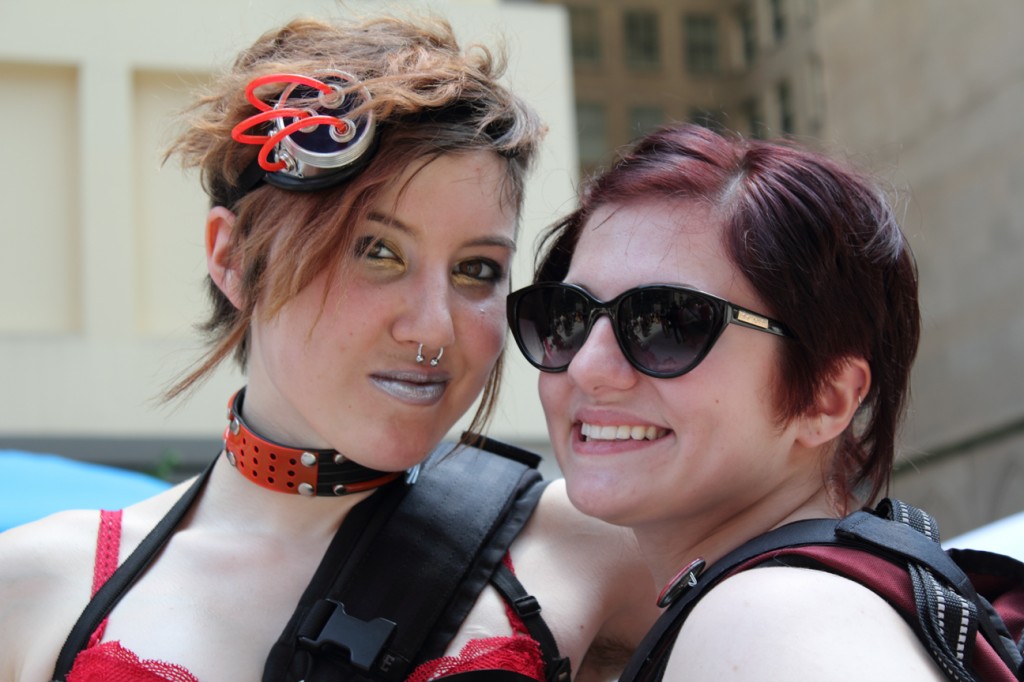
{"points": [[821, 246]]}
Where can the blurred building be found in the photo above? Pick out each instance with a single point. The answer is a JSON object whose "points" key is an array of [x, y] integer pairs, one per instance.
{"points": [[926, 93], [101, 257], [752, 67]]}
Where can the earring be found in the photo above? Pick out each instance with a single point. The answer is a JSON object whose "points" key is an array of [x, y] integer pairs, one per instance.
{"points": [[419, 355]]}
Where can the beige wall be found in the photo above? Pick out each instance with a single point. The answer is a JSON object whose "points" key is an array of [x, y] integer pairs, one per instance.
{"points": [[946, 124], [101, 259], [931, 94]]}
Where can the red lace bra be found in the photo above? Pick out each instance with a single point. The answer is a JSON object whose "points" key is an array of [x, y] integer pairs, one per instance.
{"points": [[110, 662]]}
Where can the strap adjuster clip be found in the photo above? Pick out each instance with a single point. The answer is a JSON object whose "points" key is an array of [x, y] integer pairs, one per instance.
{"points": [[526, 606]]}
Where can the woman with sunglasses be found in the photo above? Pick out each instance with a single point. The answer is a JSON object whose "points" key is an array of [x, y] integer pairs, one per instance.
{"points": [[725, 329], [365, 182]]}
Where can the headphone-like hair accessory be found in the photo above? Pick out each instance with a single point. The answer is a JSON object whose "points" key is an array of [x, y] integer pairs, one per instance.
{"points": [[310, 142]]}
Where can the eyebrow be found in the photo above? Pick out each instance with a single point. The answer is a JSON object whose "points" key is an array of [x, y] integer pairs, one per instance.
{"points": [[397, 224]]}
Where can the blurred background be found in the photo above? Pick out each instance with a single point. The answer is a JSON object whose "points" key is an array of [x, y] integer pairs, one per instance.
{"points": [[101, 257]]}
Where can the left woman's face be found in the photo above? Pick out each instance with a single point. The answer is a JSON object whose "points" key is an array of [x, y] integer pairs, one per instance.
{"points": [[429, 266], [710, 436]]}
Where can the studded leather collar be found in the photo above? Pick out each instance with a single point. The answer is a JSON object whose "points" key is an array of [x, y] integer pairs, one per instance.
{"points": [[308, 472]]}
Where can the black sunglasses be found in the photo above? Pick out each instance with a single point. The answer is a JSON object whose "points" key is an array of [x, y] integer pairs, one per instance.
{"points": [[663, 330]]}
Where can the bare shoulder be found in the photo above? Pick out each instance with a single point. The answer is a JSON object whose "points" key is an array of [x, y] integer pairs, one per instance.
{"points": [[557, 518], [50, 547], [797, 624], [46, 572], [590, 578], [45, 580], [593, 549]]}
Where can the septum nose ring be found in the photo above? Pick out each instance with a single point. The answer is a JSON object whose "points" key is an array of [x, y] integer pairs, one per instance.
{"points": [[433, 360]]}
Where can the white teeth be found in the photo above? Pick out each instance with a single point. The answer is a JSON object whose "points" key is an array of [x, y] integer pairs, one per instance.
{"points": [[597, 432]]}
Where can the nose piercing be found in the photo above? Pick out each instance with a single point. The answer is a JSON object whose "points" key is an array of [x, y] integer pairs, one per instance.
{"points": [[433, 361]]}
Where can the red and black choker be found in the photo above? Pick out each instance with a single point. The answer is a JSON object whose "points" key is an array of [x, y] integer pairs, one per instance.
{"points": [[311, 473]]}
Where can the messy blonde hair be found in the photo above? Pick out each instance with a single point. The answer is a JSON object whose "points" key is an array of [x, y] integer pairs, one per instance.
{"points": [[429, 98]]}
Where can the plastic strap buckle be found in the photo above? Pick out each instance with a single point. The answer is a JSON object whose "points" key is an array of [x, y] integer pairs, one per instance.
{"points": [[363, 640]]}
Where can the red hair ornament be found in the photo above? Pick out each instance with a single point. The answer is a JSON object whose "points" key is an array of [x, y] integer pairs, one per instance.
{"points": [[308, 138]]}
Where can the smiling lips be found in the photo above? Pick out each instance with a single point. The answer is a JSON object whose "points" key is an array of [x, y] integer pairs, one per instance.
{"points": [[416, 388], [598, 432]]}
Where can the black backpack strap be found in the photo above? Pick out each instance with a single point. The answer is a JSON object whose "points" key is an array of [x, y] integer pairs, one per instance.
{"points": [[1003, 578], [526, 606], [286, 661], [912, 544], [100, 606], [650, 657], [949, 610], [401, 596]]}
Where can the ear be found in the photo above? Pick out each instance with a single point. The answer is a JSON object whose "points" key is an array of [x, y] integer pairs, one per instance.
{"points": [[836, 404], [220, 224]]}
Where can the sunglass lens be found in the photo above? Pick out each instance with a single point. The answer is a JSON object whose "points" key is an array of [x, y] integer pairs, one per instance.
{"points": [[552, 324], [666, 331]]}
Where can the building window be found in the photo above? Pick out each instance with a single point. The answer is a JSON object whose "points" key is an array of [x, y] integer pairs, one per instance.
{"points": [[814, 85], [778, 11], [750, 110], [748, 33], [643, 49], [585, 35], [591, 132], [787, 118], [644, 119], [700, 32]]}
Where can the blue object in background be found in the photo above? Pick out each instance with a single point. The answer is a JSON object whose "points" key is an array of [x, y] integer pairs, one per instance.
{"points": [[1005, 536], [34, 485]]}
